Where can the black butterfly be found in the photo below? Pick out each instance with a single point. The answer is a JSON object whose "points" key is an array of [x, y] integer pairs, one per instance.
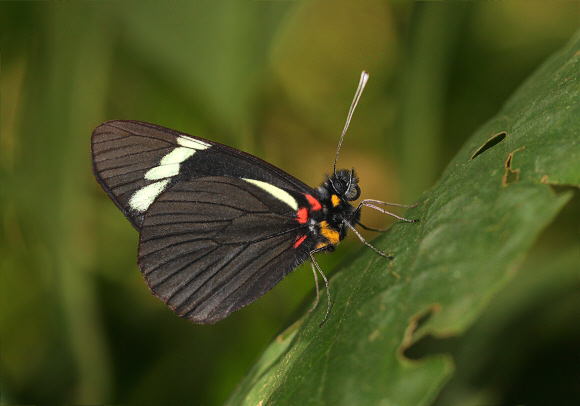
{"points": [[219, 227]]}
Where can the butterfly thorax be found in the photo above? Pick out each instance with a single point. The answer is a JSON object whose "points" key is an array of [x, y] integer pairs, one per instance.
{"points": [[335, 195]]}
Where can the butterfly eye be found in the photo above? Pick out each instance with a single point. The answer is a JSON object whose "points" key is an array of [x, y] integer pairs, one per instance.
{"points": [[339, 186]]}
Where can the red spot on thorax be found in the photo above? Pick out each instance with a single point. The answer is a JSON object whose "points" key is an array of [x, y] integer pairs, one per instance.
{"points": [[314, 204], [299, 241], [302, 215]]}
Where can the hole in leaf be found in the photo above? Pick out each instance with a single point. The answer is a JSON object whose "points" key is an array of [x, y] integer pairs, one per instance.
{"points": [[559, 189], [490, 143], [416, 322], [430, 345]]}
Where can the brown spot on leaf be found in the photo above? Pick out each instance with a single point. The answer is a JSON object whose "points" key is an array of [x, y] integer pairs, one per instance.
{"points": [[510, 175]]}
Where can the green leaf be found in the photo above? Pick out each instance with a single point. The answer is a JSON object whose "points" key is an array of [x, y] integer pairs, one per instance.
{"points": [[477, 225]]}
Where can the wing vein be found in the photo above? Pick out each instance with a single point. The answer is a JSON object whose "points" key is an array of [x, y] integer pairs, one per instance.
{"points": [[213, 203], [165, 278], [221, 285], [123, 156], [212, 272], [177, 233]]}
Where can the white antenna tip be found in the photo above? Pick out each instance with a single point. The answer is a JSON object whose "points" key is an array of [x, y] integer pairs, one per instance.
{"points": [[361, 85], [364, 76]]}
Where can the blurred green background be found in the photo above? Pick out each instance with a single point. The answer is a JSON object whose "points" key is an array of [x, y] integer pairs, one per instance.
{"points": [[78, 324]]}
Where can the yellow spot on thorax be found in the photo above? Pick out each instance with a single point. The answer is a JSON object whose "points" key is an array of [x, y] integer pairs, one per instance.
{"points": [[331, 235], [335, 200], [321, 245]]}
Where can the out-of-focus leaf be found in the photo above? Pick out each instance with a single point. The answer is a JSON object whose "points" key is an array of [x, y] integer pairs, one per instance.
{"points": [[214, 50]]}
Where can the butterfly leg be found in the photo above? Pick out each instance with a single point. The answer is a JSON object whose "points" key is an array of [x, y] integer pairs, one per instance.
{"points": [[368, 203], [314, 263], [408, 206], [317, 291], [365, 242], [379, 230]]}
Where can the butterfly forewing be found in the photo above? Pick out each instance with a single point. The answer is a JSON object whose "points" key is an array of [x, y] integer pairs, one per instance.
{"points": [[212, 245], [136, 162]]}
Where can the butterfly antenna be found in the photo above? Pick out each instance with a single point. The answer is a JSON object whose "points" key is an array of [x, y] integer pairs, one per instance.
{"points": [[361, 85]]}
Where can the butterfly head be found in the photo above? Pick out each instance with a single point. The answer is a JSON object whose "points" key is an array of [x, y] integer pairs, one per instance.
{"points": [[344, 183]]}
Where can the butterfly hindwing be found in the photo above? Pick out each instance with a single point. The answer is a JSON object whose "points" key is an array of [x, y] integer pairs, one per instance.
{"points": [[212, 245]]}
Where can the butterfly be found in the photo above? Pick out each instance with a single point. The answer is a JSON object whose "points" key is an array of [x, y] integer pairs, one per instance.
{"points": [[218, 228]]}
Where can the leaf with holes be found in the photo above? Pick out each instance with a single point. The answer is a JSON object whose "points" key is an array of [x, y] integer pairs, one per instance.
{"points": [[477, 225]]}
